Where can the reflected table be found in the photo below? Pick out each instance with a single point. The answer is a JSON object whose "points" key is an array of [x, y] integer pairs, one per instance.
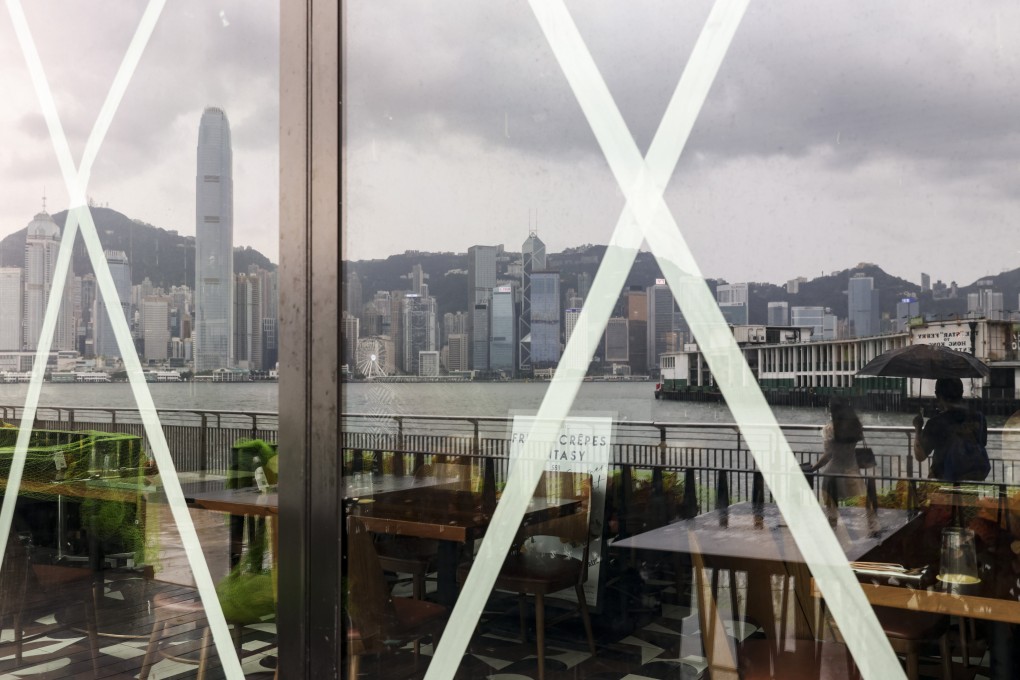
{"points": [[453, 517], [755, 538]]}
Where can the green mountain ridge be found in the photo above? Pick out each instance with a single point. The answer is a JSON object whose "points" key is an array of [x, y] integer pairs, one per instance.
{"points": [[165, 257]]}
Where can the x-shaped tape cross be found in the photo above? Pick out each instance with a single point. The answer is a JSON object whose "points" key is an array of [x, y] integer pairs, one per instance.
{"points": [[646, 215], [80, 215]]}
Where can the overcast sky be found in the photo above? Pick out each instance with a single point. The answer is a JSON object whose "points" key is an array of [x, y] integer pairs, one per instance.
{"points": [[835, 133], [223, 53]]}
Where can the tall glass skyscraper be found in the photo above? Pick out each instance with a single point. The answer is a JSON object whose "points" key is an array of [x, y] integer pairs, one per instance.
{"points": [[545, 319], [533, 260], [862, 306], [214, 244], [120, 270], [501, 331]]}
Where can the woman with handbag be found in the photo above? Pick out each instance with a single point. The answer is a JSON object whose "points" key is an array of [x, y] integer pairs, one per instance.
{"points": [[841, 476]]}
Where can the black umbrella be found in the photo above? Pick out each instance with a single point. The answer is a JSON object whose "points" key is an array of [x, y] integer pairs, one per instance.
{"points": [[926, 361]]}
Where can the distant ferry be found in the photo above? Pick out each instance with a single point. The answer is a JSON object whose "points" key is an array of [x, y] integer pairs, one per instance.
{"points": [[76, 377]]}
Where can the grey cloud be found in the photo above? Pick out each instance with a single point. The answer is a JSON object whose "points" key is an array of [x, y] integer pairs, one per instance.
{"points": [[865, 78]]}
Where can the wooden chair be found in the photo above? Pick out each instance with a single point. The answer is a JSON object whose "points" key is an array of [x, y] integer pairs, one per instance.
{"points": [[378, 622], [908, 631], [28, 592], [536, 573]]}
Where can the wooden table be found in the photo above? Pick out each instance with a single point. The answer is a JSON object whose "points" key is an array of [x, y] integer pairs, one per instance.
{"points": [[756, 539], [368, 485], [450, 516]]}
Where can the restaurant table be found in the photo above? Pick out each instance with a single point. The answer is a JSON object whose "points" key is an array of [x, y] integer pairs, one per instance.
{"points": [[453, 517], [756, 539], [246, 501], [369, 484]]}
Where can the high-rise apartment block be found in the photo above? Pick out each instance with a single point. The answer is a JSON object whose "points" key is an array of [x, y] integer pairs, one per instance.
{"points": [[214, 244], [863, 312]]}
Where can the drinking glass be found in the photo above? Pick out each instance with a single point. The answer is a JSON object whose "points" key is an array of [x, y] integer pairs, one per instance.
{"points": [[958, 566]]}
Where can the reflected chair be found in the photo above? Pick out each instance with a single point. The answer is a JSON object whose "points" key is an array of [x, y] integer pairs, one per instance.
{"points": [[378, 622], [908, 631], [531, 570], [29, 592]]}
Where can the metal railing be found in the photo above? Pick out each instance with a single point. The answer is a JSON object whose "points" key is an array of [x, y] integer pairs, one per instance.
{"points": [[648, 458], [199, 440]]}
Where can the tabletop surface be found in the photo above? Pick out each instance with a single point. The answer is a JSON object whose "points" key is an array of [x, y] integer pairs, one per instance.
{"points": [[244, 501], [367, 484], [446, 514], [739, 532]]}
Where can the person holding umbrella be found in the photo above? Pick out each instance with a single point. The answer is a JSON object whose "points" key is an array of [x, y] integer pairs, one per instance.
{"points": [[955, 437]]}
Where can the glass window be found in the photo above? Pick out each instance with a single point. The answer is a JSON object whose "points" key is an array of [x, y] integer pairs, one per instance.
{"points": [[759, 412], [139, 354]]}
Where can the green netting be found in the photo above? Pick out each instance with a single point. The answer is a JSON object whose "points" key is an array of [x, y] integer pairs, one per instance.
{"points": [[55, 456]]}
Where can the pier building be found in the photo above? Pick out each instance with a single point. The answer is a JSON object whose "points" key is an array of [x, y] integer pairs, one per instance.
{"points": [[787, 358]]}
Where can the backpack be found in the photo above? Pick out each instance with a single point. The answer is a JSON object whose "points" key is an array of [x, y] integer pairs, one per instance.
{"points": [[965, 456]]}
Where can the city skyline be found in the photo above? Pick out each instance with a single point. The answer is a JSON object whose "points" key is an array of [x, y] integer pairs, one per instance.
{"points": [[145, 168], [833, 133]]}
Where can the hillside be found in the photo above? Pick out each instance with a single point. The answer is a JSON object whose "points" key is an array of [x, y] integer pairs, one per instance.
{"points": [[161, 255], [450, 288]]}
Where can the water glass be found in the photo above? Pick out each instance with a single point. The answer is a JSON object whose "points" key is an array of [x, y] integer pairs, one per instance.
{"points": [[958, 565]]}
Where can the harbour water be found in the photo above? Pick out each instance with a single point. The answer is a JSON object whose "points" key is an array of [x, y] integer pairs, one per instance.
{"points": [[632, 401], [254, 396]]}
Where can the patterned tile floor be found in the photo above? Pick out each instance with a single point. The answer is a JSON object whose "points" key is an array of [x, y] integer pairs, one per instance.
{"points": [[662, 644]]}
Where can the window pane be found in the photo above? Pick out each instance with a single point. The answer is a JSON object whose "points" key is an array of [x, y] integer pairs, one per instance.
{"points": [[138, 356]]}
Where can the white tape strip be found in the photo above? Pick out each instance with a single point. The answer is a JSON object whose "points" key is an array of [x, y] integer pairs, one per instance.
{"points": [[79, 214], [644, 183]]}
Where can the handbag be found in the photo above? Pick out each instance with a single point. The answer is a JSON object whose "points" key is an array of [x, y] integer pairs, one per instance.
{"points": [[865, 455]]}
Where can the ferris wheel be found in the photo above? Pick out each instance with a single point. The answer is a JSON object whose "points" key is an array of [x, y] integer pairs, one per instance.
{"points": [[371, 357]]}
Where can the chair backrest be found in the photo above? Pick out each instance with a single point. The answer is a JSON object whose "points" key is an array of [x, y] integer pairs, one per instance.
{"points": [[369, 604]]}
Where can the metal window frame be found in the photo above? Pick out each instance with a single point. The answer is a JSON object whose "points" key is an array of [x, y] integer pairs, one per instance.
{"points": [[308, 609]]}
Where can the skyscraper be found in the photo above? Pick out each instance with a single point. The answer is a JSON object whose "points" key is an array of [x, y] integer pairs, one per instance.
{"points": [[214, 244], [120, 270], [617, 341], [156, 327], [779, 314], [661, 322], [481, 281], [419, 328], [863, 312], [637, 329], [10, 308], [501, 330], [732, 300], [533, 260], [42, 242], [545, 319]]}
